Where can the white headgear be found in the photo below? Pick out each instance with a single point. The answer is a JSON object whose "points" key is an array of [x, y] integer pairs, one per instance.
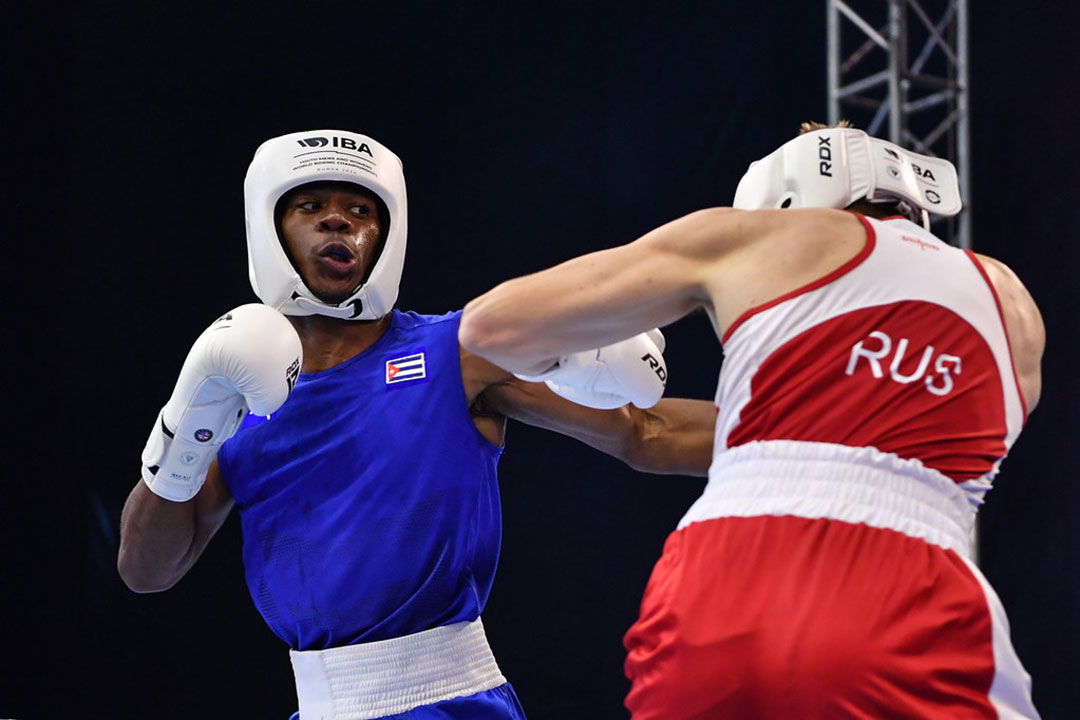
{"points": [[837, 166], [286, 162]]}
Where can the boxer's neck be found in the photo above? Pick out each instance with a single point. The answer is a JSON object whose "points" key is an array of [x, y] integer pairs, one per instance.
{"points": [[330, 341]]}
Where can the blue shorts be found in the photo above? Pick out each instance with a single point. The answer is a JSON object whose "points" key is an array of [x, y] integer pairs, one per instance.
{"points": [[500, 703]]}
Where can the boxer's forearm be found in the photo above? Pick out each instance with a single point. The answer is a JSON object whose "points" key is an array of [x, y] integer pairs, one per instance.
{"points": [[161, 539], [156, 539], [674, 437]]}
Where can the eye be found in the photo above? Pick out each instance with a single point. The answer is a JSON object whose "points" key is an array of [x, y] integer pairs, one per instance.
{"points": [[307, 205], [361, 210]]}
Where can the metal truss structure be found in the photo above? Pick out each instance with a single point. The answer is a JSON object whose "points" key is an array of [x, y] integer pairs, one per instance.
{"points": [[898, 69]]}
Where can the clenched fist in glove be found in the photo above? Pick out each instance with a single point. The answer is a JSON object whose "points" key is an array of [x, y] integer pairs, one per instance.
{"points": [[248, 359], [629, 371]]}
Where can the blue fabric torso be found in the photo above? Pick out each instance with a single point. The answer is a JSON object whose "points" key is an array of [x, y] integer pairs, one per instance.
{"points": [[369, 502]]}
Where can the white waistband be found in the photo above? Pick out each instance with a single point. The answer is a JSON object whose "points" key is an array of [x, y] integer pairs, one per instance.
{"points": [[373, 680], [821, 480]]}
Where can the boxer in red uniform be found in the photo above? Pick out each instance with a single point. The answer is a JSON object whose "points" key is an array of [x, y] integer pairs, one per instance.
{"points": [[874, 378]]}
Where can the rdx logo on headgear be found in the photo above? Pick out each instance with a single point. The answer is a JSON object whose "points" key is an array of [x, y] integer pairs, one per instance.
{"points": [[338, 142], [824, 153]]}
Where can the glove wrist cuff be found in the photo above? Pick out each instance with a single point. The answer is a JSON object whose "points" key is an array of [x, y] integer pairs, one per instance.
{"points": [[173, 468]]}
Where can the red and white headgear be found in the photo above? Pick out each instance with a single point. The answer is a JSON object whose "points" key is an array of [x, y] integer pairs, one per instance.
{"points": [[835, 167]]}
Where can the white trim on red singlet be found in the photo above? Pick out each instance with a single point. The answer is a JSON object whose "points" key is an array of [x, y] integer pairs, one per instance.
{"points": [[868, 247], [1004, 328]]}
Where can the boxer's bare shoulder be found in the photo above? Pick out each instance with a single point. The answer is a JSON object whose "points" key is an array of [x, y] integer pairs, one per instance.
{"points": [[1023, 323], [759, 255]]}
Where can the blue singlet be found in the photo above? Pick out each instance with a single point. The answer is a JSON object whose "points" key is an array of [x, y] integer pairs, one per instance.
{"points": [[369, 503]]}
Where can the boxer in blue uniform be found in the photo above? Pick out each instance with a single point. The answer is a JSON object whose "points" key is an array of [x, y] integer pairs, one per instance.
{"points": [[359, 445]]}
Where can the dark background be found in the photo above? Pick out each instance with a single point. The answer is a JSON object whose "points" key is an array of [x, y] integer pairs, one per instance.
{"points": [[529, 134]]}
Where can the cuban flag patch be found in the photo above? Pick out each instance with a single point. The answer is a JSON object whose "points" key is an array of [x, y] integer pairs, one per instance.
{"points": [[406, 368]]}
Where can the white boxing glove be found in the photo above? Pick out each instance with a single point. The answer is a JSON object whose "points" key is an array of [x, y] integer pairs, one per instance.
{"points": [[629, 371], [248, 359]]}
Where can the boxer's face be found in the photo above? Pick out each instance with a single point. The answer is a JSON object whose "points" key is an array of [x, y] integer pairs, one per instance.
{"points": [[332, 232]]}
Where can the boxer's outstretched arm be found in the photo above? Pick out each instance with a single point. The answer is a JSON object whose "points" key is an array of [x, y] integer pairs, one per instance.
{"points": [[161, 539], [723, 260], [600, 298], [674, 436]]}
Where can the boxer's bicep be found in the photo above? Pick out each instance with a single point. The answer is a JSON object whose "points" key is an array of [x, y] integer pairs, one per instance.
{"points": [[212, 507], [599, 298]]}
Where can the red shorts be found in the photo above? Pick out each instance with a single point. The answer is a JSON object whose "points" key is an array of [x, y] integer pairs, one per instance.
{"points": [[790, 617]]}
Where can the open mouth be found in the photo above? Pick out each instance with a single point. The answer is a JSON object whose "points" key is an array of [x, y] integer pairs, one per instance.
{"points": [[338, 255]]}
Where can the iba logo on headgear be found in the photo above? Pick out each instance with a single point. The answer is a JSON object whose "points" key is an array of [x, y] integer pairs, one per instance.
{"points": [[344, 143]]}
